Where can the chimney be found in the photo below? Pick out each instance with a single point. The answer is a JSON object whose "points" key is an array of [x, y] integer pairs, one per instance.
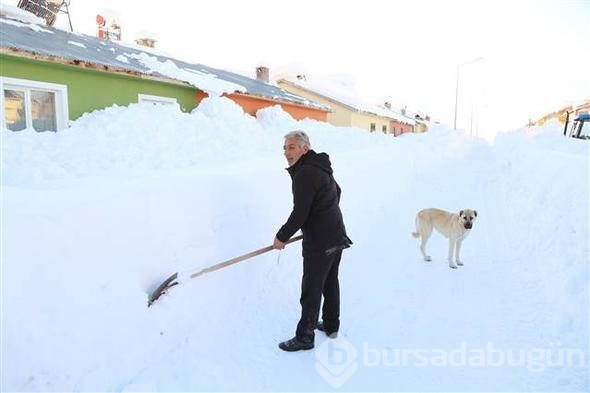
{"points": [[101, 23], [112, 33], [263, 74], [387, 104], [145, 41], [115, 31]]}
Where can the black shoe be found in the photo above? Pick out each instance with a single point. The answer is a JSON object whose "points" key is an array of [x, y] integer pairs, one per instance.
{"points": [[330, 333], [295, 344]]}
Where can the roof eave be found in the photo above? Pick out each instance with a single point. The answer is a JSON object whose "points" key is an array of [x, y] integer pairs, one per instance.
{"points": [[17, 52], [358, 110], [330, 99], [10, 51], [279, 101]]}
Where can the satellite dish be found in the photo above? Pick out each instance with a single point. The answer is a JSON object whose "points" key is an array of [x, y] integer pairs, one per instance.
{"points": [[47, 10]]}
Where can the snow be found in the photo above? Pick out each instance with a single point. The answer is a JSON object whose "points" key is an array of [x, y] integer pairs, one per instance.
{"points": [[79, 44], [142, 48], [27, 25], [341, 88], [96, 216], [122, 59], [22, 15], [146, 34], [206, 82]]}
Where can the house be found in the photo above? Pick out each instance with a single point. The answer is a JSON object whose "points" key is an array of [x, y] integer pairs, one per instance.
{"points": [[582, 108], [421, 125], [563, 114], [49, 77], [422, 120], [347, 110]]}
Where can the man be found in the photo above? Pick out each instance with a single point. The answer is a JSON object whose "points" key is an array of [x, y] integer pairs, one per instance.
{"points": [[316, 196]]}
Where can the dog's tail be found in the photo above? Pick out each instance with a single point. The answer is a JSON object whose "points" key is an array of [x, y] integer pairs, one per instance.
{"points": [[416, 234]]}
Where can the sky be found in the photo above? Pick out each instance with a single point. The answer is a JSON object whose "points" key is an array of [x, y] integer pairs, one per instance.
{"points": [[405, 52], [96, 216]]}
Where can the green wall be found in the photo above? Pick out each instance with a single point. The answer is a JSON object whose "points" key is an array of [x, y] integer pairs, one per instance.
{"points": [[90, 89]]}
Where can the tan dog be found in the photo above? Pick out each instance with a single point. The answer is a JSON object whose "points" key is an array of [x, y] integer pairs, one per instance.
{"points": [[454, 227]]}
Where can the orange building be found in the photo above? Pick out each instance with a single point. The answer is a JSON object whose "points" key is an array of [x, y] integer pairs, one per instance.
{"points": [[251, 104]]}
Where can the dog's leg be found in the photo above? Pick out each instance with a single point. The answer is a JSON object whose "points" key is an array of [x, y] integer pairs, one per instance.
{"points": [[425, 235], [452, 242], [425, 232], [458, 253]]}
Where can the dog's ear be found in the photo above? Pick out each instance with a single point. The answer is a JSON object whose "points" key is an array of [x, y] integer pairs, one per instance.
{"points": [[461, 213], [475, 212]]}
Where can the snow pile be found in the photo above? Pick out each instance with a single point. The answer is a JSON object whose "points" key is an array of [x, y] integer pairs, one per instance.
{"points": [[270, 116], [94, 217], [135, 140], [146, 137]]}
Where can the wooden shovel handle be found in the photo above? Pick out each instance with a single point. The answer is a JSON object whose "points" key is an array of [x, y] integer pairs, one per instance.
{"points": [[171, 281], [241, 258]]}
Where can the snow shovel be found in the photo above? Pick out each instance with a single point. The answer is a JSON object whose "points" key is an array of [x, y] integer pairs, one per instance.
{"points": [[172, 280]]}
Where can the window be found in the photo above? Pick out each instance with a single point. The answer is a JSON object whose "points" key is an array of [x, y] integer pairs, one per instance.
{"points": [[28, 104], [156, 99], [384, 129], [372, 127]]}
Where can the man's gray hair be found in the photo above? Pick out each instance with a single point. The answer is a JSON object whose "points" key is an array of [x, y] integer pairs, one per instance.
{"points": [[300, 136]]}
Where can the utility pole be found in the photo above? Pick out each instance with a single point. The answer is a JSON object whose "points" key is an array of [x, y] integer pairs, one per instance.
{"points": [[457, 86]]}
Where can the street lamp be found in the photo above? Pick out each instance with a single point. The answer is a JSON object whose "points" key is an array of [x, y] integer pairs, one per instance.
{"points": [[457, 86]]}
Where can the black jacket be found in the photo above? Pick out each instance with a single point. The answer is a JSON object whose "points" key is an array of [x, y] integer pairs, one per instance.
{"points": [[316, 196]]}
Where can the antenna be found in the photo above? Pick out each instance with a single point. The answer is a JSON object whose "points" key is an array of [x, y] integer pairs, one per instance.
{"points": [[47, 9]]}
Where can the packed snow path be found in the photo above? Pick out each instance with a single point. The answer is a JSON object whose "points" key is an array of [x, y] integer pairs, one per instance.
{"points": [[86, 235]]}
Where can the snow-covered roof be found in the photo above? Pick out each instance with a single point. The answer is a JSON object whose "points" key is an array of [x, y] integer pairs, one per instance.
{"points": [[56, 43], [341, 91]]}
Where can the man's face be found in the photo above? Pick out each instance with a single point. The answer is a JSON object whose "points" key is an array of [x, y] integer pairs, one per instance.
{"points": [[293, 151]]}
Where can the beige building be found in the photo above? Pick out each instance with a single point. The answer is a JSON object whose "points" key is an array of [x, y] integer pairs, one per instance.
{"points": [[348, 111]]}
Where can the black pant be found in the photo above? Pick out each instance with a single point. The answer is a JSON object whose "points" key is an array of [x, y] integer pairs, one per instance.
{"points": [[320, 277]]}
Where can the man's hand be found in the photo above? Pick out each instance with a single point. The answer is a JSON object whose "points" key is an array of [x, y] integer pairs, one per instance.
{"points": [[277, 244]]}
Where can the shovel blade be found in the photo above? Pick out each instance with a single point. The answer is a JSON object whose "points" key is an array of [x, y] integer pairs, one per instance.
{"points": [[162, 288]]}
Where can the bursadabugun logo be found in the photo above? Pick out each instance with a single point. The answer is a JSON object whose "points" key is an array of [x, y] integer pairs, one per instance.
{"points": [[336, 360]]}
